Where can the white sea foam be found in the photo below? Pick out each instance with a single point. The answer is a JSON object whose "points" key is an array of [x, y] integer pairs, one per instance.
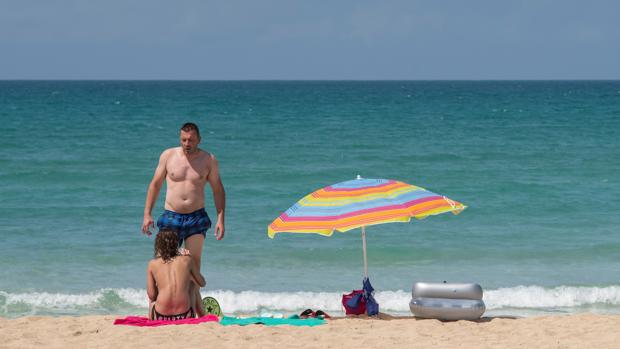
{"points": [[525, 297], [63, 300], [562, 296], [53, 300]]}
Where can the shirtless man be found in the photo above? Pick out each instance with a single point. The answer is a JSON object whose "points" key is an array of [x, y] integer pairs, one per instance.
{"points": [[169, 277], [187, 169]]}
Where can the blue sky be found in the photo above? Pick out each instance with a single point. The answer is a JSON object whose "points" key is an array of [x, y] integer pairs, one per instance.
{"points": [[288, 39]]}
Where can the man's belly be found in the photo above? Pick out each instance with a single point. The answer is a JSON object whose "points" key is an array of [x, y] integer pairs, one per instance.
{"points": [[184, 202]]}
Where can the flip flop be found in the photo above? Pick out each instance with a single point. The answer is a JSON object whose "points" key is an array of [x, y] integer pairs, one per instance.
{"points": [[306, 314], [321, 314]]}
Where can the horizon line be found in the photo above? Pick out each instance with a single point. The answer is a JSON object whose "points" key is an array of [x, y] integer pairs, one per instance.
{"points": [[308, 80]]}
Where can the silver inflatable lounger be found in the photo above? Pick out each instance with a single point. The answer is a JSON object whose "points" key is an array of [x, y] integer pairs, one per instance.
{"points": [[447, 309], [445, 301], [445, 290]]}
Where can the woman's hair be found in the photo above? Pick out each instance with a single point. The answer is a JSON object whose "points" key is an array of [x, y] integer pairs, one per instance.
{"points": [[166, 245]]}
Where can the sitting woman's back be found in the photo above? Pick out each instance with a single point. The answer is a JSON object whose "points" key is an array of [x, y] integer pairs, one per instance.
{"points": [[169, 277]]}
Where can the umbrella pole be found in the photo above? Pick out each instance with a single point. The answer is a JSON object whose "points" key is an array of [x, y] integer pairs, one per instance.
{"points": [[364, 249]]}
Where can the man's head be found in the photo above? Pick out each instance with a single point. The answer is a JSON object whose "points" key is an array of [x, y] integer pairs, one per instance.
{"points": [[190, 137], [166, 245]]}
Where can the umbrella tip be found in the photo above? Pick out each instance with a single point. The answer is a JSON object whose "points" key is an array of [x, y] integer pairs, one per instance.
{"points": [[359, 177]]}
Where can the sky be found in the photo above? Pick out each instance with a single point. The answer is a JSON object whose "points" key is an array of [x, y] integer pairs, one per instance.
{"points": [[309, 40]]}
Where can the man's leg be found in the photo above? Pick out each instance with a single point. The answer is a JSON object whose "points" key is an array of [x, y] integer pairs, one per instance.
{"points": [[151, 306], [194, 245], [192, 300]]}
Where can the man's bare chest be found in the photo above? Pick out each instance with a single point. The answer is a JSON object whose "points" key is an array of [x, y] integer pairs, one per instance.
{"points": [[181, 169]]}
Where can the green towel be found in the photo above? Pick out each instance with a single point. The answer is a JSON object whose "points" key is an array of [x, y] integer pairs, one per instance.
{"points": [[268, 321]]}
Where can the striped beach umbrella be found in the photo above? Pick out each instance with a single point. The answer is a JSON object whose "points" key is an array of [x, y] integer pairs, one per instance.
{"points": [[359, 203]]}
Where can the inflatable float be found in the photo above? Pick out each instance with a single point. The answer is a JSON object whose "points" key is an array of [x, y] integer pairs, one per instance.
{"points": [[446, 301]]}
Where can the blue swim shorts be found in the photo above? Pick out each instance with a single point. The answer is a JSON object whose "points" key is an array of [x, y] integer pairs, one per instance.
{"points": [[185, 224]]}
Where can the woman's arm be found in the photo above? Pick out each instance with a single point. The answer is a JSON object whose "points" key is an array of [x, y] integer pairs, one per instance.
{"points": [[151, 285]]}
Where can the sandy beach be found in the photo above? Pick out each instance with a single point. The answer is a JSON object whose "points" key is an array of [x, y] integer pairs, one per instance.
{"points": [[569, 331]]}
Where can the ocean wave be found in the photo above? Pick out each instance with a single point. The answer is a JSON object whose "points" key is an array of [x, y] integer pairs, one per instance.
{"points": [[561, 296], [117, 300]]}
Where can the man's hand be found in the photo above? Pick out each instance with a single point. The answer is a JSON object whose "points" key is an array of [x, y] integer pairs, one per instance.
{"points": [[147, 224], [219, 230], [219, 197]]}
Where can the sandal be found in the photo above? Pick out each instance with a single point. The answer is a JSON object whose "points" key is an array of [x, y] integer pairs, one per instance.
{"points": [[306, 314], [320, 314]]}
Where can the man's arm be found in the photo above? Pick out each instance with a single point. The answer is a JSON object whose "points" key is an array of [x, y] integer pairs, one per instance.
{"points": [[219, 197], [153, 192], [195, 274], [151, 286]]}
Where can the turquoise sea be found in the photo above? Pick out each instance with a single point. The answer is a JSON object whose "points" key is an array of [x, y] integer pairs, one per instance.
{"points": [[537, 163]]}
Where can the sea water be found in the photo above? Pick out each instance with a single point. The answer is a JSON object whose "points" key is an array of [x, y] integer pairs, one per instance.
{"points": [[536, 162]]}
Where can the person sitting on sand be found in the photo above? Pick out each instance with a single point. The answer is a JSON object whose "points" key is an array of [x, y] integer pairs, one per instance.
{"points": [[169, 278]]}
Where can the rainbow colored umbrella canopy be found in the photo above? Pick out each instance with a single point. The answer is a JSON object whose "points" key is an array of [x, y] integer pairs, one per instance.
{"points": [[359, 203]]}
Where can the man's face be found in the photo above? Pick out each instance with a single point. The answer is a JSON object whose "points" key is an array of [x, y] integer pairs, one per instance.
{"points": [[189, 141]]}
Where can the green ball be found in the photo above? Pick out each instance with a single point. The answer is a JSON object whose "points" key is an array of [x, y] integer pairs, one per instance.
{"points": [[211, 306]]}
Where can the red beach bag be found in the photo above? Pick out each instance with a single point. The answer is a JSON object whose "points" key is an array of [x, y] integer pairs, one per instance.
{"points": [[354, 303]]}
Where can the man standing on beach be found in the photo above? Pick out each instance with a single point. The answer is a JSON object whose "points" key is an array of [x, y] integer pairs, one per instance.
{"points": [[187, 169]]}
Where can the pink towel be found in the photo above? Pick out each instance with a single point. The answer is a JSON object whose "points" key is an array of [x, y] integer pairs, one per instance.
{"points": [[145, 322]]}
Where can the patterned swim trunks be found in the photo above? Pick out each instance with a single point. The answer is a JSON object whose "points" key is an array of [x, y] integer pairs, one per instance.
{"points": [[185, 224]]}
